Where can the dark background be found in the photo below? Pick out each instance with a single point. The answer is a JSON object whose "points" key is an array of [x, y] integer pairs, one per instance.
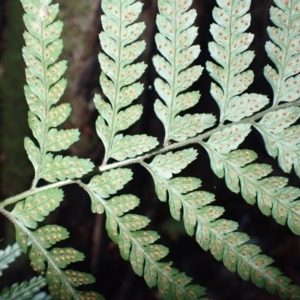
{"points": [[115, 278]]}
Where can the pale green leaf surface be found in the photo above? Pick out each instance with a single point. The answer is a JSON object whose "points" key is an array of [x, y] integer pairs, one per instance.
{"points": [[7, 256], [78, 278], [123, 204], [67, 167], [61, 139], [33, 152], [35, 208], [110, 182], [22, 239], [229, 138], [25, 290], [172, 163], [128, 117], [130, 146], [190, 125], [65, 256], [50, 234], [245, 105], [58, 114]]}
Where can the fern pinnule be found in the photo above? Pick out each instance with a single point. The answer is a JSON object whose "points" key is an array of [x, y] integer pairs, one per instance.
{"points": [[118, 80], [43, 90], [174, 42], [215, 234], [229, 50]]}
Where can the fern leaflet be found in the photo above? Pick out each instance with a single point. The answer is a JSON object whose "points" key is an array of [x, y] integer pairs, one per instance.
{"points": [[118, 80], [174, 41]]}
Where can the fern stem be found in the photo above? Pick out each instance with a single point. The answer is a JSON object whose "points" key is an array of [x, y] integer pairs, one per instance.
{"points": [[196, 139], [34, 191]]}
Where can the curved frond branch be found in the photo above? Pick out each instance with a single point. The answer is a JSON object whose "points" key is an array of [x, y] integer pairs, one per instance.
{"points": [[284, 51], [219, 235], [229, 50], [174, 41], [138, 246], [118, 80]]}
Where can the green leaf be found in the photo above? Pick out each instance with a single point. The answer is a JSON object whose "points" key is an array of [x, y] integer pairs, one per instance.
{"points": [[245, 105], [130, 146], [35, 208], [78, 278], [122, 204], [65, 256], [67, 167], [190, 125], [229, 138], [50, 234], [172, 163], [110, 182], [33, 152], [8, 255], [25, 290]]}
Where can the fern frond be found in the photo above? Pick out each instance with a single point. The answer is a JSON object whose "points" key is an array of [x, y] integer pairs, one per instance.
{"points": [[174, 41], [271, 193], [8, 255], [218, 235], [25, 290], [45, 87], [284, 52], [137, 245], [229, 51], [50, 262], [118, 80]]}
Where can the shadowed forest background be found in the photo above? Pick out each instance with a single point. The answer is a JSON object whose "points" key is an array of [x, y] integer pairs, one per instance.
{"points": [[115, 278]]}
